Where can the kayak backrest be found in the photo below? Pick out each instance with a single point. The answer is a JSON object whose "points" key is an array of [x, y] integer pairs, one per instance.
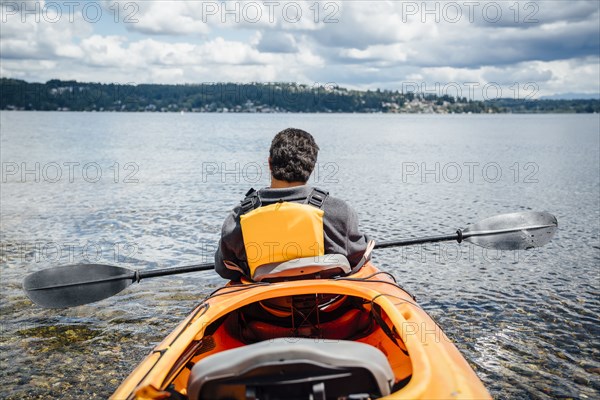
{"points": [[324, 266], [293, 368]]}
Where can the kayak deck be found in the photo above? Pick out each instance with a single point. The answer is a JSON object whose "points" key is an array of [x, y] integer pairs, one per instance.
{"points": [[368, 307]]}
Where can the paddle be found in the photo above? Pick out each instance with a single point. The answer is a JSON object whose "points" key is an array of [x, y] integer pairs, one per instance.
{"points": [[75, 285], [80, 284]]}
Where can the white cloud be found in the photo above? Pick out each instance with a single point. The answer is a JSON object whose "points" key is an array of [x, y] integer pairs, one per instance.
{"points": [[220, 51], [572, 76], [171, 75], [384, 54], [167, 17], [114, 58], [42, 35], [106, 51]]}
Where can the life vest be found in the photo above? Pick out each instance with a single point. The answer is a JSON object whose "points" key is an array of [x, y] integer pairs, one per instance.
{"points": [[282, 231]]}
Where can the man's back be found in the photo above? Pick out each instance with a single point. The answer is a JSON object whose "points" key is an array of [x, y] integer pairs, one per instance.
{"points": [[340, 230]]}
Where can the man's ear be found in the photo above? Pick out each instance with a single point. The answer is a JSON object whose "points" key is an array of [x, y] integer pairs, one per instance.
{"points": [[269, 160]]}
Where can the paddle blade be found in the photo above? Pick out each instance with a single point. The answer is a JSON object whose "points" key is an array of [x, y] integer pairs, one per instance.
{"points": [[515, 231], [75, 285]]}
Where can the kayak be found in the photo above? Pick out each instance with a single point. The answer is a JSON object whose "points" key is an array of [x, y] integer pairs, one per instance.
{"points": [[356, 337], [307, 328]]}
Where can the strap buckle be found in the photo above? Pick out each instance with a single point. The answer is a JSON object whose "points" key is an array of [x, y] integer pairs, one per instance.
{"points": [[251, 202], [317, 197]]}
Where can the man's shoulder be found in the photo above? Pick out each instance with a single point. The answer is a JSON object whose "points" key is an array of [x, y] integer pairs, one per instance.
{"points": [[298, 193], [337, 206], [337, 202]]}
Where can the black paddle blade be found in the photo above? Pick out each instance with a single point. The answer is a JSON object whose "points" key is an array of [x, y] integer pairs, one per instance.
{"points": [[75, 285], [515, 231]]}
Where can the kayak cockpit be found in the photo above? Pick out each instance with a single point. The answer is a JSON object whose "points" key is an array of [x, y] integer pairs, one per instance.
{"points": [[297, 347]]}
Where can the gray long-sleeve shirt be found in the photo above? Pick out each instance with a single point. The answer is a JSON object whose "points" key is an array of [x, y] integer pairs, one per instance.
{"points": [[340, 228]]}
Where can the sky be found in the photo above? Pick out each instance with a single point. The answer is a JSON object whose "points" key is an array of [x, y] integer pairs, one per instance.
{"points": [[474, 49]]}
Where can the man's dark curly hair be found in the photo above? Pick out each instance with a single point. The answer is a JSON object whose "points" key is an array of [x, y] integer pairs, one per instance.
{"points": [[293, 155]]}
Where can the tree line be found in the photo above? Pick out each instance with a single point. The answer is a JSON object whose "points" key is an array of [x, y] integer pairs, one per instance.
{"points": [[256, 97]]}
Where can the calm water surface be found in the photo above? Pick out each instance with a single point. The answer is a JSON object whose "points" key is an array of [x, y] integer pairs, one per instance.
{"points": [[150, 190]]}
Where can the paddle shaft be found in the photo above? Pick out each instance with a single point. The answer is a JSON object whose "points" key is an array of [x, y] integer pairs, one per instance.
{"points": [[459, 236], [410, 242], [208, 266], [173, 271], [141, 274]]}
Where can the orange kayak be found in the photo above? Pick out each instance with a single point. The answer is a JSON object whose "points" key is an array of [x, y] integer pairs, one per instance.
{"points": [[359, 337]]}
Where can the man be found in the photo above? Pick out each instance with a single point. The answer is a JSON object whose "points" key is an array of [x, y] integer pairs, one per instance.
{"points": [[289, 219]]}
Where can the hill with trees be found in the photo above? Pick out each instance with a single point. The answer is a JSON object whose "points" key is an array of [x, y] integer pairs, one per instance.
{"points": [[257, 97]]}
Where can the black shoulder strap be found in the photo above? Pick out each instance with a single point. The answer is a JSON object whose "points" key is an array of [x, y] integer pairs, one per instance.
{"points": [[317, 197], [250, 202]]}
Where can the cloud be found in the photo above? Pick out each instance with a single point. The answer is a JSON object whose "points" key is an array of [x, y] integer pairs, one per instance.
{"points": [[528, 14], [107, 51], [574, 76], [167, 17], [381, 55], [116, 58], [275, 42], [156, 59], [179, 18], [521, 80], [508, 45], [362, 24], [388, 32], [357, 44], [42, 36]]}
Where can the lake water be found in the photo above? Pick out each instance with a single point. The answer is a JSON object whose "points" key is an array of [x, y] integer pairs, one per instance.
{"points": [[151, 190]]}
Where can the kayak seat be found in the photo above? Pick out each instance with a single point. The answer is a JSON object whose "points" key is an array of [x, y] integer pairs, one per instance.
{"points": [[293, 369], [324, 266]]}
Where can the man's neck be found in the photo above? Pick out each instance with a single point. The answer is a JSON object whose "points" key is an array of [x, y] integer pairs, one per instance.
{"points": [[278, 184]]}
